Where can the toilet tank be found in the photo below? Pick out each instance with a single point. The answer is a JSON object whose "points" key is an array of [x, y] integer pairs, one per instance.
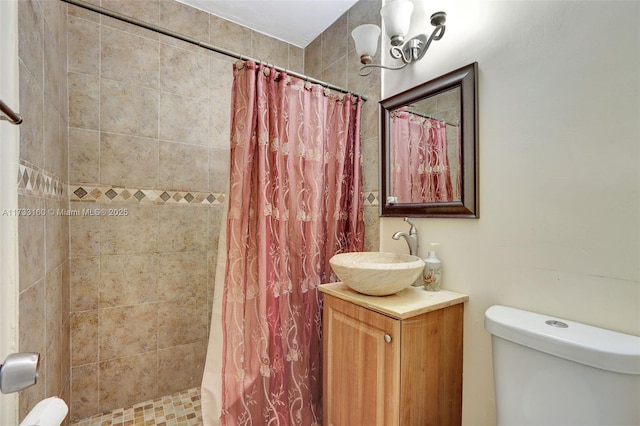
{"points": [[550, 371]]}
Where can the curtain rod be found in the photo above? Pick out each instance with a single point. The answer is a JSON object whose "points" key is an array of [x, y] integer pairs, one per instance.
{"points": [[202, 44], [421, 114], [9, 115]]}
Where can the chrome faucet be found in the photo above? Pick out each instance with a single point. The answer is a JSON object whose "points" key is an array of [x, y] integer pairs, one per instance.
{"points": [[411, 237]]}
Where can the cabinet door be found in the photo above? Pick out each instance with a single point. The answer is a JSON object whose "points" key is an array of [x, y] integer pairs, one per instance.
{"points": [[361, 361]]}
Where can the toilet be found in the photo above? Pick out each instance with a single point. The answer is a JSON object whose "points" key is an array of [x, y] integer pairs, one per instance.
{"points": [[550, 371]]}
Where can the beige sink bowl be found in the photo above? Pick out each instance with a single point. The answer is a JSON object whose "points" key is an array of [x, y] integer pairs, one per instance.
{"points": [[377, 273]]}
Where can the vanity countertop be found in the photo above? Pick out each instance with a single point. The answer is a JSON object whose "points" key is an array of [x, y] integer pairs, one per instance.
{"points": [[407, 303]]}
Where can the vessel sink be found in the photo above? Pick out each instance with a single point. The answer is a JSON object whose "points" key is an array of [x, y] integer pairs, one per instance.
{"points": [[377, 273]]}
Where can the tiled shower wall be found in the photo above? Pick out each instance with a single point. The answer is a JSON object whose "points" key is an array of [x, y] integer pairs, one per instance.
{"points": [[148, 156], [43, 234], [332, 57]]}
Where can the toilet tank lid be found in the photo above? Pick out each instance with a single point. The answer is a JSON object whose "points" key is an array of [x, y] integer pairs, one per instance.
{"points": [[593, 346]]}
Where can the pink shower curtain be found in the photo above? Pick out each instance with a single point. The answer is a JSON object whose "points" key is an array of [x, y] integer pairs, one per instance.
{"points": [[294, 201], [419, 162]]}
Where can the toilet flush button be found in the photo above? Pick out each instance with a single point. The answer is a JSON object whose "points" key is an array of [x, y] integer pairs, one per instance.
{"points": [[557, 324]]}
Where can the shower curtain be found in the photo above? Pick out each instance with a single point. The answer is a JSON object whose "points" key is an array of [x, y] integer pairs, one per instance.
{"points": [[419, 164], [294, 201]]}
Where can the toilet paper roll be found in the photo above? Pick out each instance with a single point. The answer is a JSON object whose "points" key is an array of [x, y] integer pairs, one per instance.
{"points": [[48, 412]]}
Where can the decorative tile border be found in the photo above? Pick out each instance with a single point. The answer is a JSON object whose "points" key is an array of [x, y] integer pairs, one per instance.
{"points": [[34, 181], [370, 198], [112, 194]]}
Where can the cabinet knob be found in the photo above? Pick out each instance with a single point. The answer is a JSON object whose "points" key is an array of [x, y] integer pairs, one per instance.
{"points": [[387, 338]]}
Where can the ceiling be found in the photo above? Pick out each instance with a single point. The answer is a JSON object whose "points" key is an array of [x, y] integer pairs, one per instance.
{"points": [[297, 22]]}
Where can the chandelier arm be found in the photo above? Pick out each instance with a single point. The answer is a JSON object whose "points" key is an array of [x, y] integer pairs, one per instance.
{"points": [[371, 66], [397, 52], [436, 35]]}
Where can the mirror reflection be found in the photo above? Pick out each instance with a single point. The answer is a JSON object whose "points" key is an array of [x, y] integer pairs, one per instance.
{"points": [[429, 147], [425, 150]]}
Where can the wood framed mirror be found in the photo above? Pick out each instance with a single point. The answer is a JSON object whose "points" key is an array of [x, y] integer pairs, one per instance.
{"points": [[429, 148]]}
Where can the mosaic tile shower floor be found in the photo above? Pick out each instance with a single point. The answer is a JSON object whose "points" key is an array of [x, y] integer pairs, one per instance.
{"points": [[179, 409]]}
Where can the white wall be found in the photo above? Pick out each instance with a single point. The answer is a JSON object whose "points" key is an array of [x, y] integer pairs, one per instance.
{"points": [[559, 227], [8, 200]]}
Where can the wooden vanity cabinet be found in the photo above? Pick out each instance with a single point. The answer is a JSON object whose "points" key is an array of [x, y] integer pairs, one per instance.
{"points": [[384, 370]]}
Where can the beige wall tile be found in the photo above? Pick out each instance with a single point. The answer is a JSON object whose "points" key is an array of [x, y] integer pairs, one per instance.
{"points": [[181, 275], [183, 167], [184, 20], [129, 58], [84, 46], [190, 359], [33, 394], [85, 391], [220, 124], [368, 85], [128, 379], [128, 109], [313, 58], [183, 228], [221, 78], [84, 232], [181, 322], [144, 10], [56, 377], [31, 244], [56, 234], [135, 233], [84, 95], [219, 169], [216, 216], [369, 117], [42, 235], [335, 41], [53, 302], [55, 65], [31, 37], [55, 152], [336, 73], [84, 13], [370, 173], [31, 106], [184, 119], [184, 72], [128, 161], [66, 291], [84, 338], [84, 156], [371, 229], [231, 36], [296, 59], [127, 330], [128, 279], [213, 264], [84, 283], [32, 318], [270, 50]]}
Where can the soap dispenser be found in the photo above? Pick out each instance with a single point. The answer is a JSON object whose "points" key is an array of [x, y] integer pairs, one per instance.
{"points": [[432, 270]]}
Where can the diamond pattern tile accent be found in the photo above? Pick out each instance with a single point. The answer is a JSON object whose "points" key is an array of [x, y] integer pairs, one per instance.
{"points": [[40, 183], [80, 192], [108, 194], [370, 198]]}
